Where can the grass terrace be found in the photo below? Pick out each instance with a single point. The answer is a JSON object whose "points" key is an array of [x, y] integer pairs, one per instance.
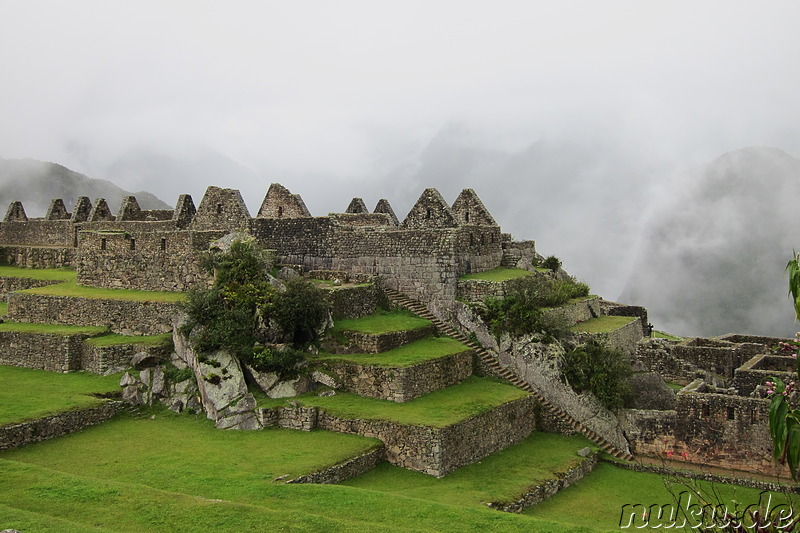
{"points": [[115, 339], [52, 329], [54, 392], [502, 477], [381, 322], [438, 409], [49, 274], [498, 274], [72, 289], [664, 335], [3, 308], [603, 324], [407, 355]]}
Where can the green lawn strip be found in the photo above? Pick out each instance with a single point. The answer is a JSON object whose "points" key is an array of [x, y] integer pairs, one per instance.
{"points": [[502, 477], [36, 520], [49, 274], [597, 500], [26, 393], [3, 308], [381, 322], [674, 386], [72, 289], [437, 409], [409, 354], [52, 329], [603, 324], [664, 335], [498, 274], [126, 505], [115, 339]]}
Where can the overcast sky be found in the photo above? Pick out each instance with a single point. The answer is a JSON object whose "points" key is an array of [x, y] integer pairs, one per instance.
{"points": [[344, 95]]}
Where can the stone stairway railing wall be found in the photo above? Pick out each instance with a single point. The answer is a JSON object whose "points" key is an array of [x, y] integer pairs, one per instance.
{"points": [[583, 413]]}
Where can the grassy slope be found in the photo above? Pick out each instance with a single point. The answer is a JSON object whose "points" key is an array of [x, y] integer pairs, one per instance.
{"points": [[438, 409], [107, 478], [381, 322], [114, 339], [498, 274], [52, 329], [50, 392], [50, 274], [596, 501], [406, 355], [502, 477], [72, 289], [603, 324]]}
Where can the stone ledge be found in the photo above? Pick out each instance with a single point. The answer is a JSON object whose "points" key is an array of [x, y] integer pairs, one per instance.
{"points": [[24, 433], [549, 488], [383, 342], [346, 469], [122, 316], [401, 384], [433, 451]]}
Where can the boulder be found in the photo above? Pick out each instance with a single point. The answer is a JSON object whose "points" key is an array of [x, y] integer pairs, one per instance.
{"points": [[650, 392], [293, 387], [144, 360], [264, 380]]}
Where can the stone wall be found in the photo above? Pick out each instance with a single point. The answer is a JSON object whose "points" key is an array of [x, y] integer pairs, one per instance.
{"points": [[38, 257], [655, 355], [549, 488], [762, 368], [622, 339], [382, 342], [401, 384], [38, 232], [716, 356], [24, 433], [573, 313], [433, 451], [354, 302], [109, 359], [122, 316], [145, 260], [18, 284], [56, 353], [345, 470]]}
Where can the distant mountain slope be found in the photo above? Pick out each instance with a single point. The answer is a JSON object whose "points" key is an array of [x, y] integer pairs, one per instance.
{"points": [[712, 259], [35, 183]]}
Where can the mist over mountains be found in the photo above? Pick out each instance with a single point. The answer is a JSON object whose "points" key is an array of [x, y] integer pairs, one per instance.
{"points": [[713, 253], [35, 183]]}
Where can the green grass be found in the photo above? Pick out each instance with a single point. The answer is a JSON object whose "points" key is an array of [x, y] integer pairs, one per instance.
{"points": [[3, 308], [52, 329], [115, 339], [664, 335], [596, 501], [603, 324], [26, 393], [498, 274], [72, 289], [409, 354], [502, 477], [674, 386], [437, 409], [381, 322], [49, 274], [106, 479]]}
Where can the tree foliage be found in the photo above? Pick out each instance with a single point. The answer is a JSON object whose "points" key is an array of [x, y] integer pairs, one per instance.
{"points": [[602, 371], [521, 312]]}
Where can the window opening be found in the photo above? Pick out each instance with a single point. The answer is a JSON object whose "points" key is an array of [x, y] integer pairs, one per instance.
{"points": [[102, 244], [163, 245]]}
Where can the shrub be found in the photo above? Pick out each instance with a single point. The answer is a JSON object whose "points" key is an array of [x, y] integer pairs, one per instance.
{"points": [[520, 311], [300, 310], [602, 371], [282, 361], [552, 263]]}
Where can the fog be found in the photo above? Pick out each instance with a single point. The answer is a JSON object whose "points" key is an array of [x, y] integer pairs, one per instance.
{"points": [[578, 123]]}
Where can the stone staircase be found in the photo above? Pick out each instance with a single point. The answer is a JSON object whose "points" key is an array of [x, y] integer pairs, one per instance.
{"points": [[491, 361]]}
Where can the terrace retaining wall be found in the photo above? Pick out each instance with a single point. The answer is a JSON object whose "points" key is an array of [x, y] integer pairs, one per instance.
{"points": [[38, 256], [346, 469], [55, 353], [24, 433], [122, 316], [401, 384]]}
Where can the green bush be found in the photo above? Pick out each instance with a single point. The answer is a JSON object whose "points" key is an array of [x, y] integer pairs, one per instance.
{"points": [[300, 310], [282, 361], [520, 312], [552, 263], [602, 371]]}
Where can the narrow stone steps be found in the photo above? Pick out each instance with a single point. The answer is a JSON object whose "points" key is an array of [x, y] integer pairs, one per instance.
{"points": [[504, 372]]}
